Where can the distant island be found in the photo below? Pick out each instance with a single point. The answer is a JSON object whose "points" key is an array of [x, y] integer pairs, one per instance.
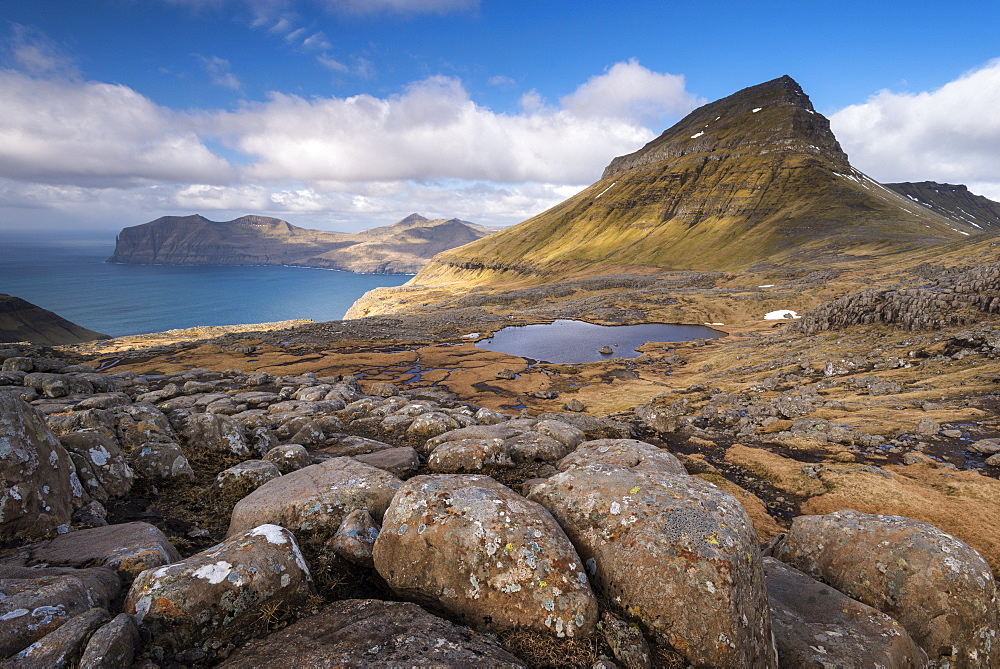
{"points": [[401, 248]]}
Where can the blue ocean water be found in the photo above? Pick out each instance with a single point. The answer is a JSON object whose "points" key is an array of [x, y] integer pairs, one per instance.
{"points": [[68, 276]]}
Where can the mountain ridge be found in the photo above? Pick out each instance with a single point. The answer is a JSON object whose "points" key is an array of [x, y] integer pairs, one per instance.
{"points": [[755, 177], [21, 320], [954, 201], [401, 248]]}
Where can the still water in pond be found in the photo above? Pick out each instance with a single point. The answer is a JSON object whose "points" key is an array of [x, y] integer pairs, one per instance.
{"points": [[573, 342]]}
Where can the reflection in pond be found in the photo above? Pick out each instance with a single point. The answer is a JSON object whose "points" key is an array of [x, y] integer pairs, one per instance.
{"points": [[573, 342]]}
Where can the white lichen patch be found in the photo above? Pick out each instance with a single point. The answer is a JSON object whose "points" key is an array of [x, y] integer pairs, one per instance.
{"points": [[214, 573], [275, 534]]}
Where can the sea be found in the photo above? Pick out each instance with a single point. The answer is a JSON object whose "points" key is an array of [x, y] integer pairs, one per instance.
{"points": [[68, 275]]}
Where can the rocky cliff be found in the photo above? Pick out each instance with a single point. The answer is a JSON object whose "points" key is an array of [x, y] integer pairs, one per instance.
{"points": [[21, 320], [953, 201], [401, 248], [754, 177]]}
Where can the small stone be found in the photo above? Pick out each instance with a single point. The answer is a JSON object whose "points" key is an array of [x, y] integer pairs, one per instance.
{"points": [[605, 350], [507, 374], [355, 538], [289, 457], [575, 405], [951, 434]]}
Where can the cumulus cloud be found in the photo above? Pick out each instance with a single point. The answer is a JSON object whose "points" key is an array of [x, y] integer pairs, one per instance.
{"points": [[629, 91], [434, 129], [950, 134], [72, 132]]}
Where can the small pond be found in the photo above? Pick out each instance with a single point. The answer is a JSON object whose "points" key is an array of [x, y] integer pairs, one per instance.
{"points": [[574, 342]]}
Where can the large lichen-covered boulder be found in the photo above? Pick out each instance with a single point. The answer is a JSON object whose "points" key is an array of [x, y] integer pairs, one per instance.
{"points": [[140, 423], [161, 460], [371, 632], [36, 489], [112, 646], [623, 452], [674, 553], [100, 464], [938, 587], [316, 498], [215, 432], [127, 548], [816, 625], [487, 555], [470, 456], [221, 591]]}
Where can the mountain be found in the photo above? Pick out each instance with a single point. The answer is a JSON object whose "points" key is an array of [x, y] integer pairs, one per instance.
{"points": [[21, 320], [401, 248], [756, 177], [953, 201]]}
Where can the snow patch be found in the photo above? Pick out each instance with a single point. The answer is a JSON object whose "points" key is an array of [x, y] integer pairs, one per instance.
{"points": [[605, 190], [780, 315], [471, 335], [697, 134], [755, 110], [767, 285]]}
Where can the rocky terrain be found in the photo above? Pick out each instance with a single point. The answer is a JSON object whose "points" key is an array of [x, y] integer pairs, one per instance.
{"points": [[401, 248], [954, 201], [21, 320], [816, 487]]}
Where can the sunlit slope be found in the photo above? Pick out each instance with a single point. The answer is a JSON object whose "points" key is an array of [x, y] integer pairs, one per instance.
{"points": [[755, 177]]}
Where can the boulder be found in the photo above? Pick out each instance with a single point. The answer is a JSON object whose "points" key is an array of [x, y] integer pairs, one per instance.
{"points": [[562, 432], [127, 548], [531, 446], [246, 477], [661, 416], [161, 460], [939, 588], [495, 560], [371, 632], [625, 453], [383, 389], [431, 424], [401, 462], [63, 646], [216, 432], [817, 626], [100, 464], [289, 457], [34, 602], [139, 424], [316, 498], [355, 538], [344, 445], [674, 553], [470, 456], [112, 646], [626, 641], [36, 493], [222, 591]]}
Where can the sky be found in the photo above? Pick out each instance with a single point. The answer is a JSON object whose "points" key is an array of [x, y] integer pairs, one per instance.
{"points": [[348, 114]]}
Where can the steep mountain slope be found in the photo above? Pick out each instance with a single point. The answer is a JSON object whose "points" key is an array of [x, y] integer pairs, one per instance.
{"points": [[954, 201], [21, 320], [755, 177], [401, 248]]}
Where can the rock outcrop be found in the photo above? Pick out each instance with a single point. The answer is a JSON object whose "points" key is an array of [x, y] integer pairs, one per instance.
{"points": [[401, 248]]}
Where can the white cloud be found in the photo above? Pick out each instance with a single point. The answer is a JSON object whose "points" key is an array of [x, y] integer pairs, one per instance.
{"points": [[400, 6], [218, 70], [72, 132], [629, 91], [951, 134], [33, 52]]}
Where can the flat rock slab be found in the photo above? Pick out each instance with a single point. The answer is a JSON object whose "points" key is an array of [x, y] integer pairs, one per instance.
{"points": [[938, 587], [317, 498], [128, 548], [816, 626], [477, 549], [673, 553], [372, 633]]}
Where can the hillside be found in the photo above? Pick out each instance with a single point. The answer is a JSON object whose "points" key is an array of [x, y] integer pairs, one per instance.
{"points": [[756, 177], [21, 320], [401, 248], [954, 201]]}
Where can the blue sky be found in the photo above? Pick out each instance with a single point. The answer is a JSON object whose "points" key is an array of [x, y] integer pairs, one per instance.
{"points": [[344, 114]]}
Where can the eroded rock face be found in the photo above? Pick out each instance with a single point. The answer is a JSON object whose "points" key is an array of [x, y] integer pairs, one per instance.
{"points": [[938, 587], [316, 498], [494, 559], [36, 494], [674, 553], [221, 591], [370, 632], [818, 626]]}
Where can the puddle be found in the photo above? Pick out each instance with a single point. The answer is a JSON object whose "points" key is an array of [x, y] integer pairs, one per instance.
{"points": [[571, 342]]}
